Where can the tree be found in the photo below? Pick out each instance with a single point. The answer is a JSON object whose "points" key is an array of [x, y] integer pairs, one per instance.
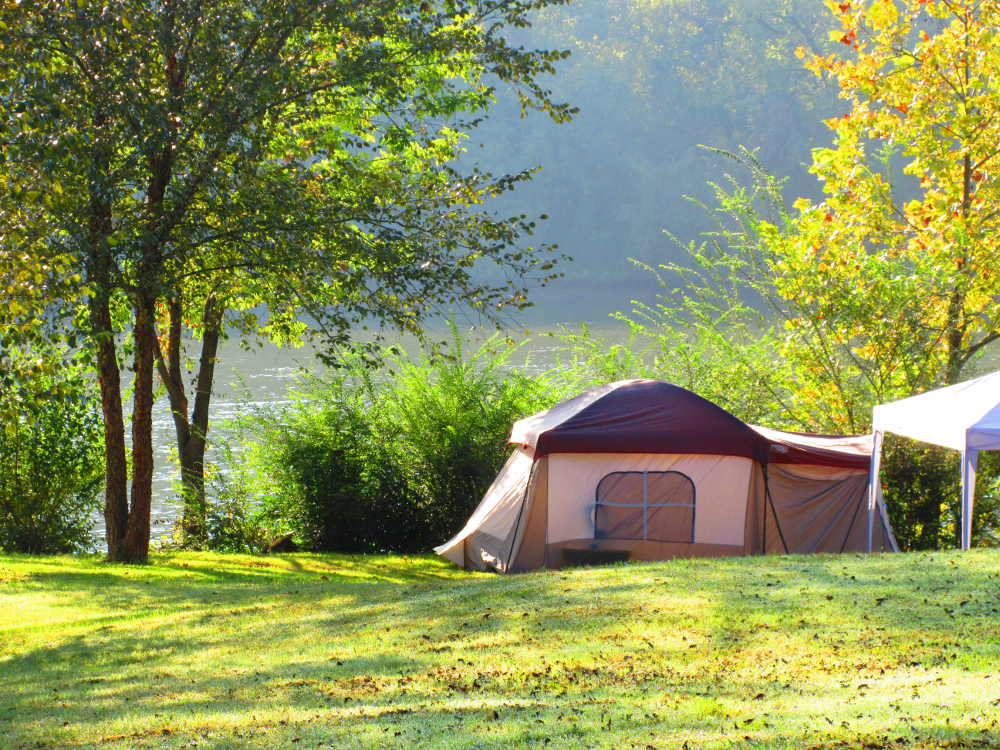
{"points": [[888, 284], [194, 158], [908, 262]]}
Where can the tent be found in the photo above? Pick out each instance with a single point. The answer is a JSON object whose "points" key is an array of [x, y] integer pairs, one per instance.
{"points": [[964, 416], [646, 470]]}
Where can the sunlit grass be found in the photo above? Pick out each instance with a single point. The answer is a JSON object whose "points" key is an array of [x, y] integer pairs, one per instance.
{"points": [[321, 651]]}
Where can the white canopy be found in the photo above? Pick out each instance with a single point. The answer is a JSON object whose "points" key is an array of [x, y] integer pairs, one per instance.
{"points": [[964, 417]]}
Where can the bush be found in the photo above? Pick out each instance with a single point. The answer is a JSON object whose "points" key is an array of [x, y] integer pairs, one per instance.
{"points": [[397, 457], [232, 524], [51, 465], [922, 487], [723, 363], [324, 473], [452, 414], [393, 458]]}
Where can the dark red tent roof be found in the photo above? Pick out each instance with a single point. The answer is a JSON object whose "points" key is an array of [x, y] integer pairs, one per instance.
{"points": [[651, 416], [639, 416]]}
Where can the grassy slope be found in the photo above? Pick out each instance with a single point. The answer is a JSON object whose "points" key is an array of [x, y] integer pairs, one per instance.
{"points": [[301, 651]]}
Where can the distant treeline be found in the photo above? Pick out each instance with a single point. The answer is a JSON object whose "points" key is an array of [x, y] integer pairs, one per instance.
{"points": [[654, 79]]}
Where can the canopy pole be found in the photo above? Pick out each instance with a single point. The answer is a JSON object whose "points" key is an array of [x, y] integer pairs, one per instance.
{"points": [[970, 458], [873, 483]]}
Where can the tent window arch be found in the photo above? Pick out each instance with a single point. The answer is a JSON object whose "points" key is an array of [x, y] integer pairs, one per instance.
{"points": [[654, 506]]}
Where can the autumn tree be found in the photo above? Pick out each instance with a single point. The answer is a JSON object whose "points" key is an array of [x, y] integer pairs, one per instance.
{"points": [[902, 253], [193, 163], [888, 284]]}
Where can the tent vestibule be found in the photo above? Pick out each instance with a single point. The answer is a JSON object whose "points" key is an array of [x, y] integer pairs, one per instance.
{"points": [[646, 470]]}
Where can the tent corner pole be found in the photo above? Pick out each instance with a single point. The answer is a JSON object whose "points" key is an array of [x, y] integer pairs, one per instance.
{"points": [[970, 458], [873, 474]]}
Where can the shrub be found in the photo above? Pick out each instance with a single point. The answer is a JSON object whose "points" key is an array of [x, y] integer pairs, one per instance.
{"points": [[232, 523], [390, 458], [233, 520], [986, 511], [323, 472], [922, 487], [396, 457], [51, 465], [723, 363], [452, 413]]}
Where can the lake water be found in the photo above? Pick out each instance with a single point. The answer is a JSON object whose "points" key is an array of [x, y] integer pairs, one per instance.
{"points": [[260, 377]]}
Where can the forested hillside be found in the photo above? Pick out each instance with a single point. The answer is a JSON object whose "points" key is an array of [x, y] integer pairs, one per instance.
{"points": [[654, 79]]}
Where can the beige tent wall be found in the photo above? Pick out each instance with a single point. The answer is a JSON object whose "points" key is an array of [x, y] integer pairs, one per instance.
{"points": [[491, 527], [721, 486]]}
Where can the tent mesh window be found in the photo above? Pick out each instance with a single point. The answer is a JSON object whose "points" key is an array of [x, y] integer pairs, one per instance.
{"points": [[648, 505]]}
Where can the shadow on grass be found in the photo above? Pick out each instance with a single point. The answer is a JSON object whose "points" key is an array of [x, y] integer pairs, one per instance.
{"points": [[183, 580]]}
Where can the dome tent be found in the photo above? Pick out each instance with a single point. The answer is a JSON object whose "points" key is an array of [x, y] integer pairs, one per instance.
{"points": [[646, 470]]}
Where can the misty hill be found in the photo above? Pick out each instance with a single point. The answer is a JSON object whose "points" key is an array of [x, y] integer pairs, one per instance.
{"points": [[654, 79]]}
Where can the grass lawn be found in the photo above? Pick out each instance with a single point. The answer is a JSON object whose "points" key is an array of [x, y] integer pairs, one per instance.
{"points": [[328, 651]]}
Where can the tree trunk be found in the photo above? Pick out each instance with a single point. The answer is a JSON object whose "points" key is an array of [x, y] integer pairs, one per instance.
{"points": [[956, 322], [100, 269], [193, 474], [171, 375], [192, 431], [116, 473], [136, 546]]}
